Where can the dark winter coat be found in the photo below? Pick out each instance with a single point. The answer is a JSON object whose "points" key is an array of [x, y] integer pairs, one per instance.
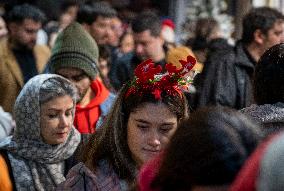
{"points": [[227, 79]]}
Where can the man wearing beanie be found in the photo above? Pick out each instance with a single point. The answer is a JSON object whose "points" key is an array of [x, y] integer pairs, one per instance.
{"points": [[75, 56]]}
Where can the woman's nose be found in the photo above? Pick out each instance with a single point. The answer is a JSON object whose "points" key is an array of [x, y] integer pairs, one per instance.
{"points": [[154, 139], [64, 121]]}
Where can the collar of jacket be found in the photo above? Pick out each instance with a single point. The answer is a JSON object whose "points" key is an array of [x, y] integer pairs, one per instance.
{"points": [[243, 58]]}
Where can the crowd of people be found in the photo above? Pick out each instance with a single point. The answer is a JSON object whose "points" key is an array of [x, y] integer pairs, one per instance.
{"points": [[92, 102]]}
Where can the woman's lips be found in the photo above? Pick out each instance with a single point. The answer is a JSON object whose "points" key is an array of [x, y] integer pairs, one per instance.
{"points": [[61, 134], [151, 151]]}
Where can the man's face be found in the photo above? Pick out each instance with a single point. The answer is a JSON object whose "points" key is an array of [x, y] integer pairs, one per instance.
{"points": [[116, 32], [79, 78], [101, 29], [25, 33], [274, 36], [148, 46]]}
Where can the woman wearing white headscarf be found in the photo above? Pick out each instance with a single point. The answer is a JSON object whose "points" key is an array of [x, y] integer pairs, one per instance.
{"points": [[34, 158]]}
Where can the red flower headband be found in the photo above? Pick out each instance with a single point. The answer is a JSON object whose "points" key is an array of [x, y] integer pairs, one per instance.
{"points": [[149, 78]]}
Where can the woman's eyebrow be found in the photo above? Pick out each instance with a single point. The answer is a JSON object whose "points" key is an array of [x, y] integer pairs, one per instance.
{"points": [[142, 121]]}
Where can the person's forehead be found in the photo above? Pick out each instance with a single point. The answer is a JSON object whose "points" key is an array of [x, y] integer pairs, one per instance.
{"points": [[102, 19], [69, 71], [278, 25], [29, 22], [145, 35]]}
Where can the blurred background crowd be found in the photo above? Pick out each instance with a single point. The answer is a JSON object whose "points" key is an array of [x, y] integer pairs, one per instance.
{"points": [[235, 92]]}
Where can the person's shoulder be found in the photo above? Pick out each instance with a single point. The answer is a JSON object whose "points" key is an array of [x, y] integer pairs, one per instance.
{"points": [[42, 49], [76, 178], [126, 58], [107, 104], [4, 46]]}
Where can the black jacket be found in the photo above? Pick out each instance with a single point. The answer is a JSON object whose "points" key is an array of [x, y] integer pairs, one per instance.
{"points": [[227, 79]]}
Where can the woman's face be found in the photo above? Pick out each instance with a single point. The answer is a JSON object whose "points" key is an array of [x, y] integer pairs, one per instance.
{"points": [[149, 130], [127, 44], [56, 119]]}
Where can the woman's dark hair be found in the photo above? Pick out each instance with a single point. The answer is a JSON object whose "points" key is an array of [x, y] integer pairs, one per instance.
{"points": [[208, 149], [269, 76], [110, 141]]}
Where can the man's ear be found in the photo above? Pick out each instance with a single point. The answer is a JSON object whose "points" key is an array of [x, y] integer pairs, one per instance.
{"points": [[259, 37]]}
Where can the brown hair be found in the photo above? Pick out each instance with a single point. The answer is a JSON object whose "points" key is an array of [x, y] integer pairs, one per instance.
{"points": [[110, 141]]}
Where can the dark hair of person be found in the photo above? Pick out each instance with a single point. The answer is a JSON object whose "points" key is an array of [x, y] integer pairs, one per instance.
{"points": [[147, 21], [89, 12], [25, 11], [269, 76], [64, 5], [105, 53], [262, 18], [208, 149], [110, 141], [204, 27]]}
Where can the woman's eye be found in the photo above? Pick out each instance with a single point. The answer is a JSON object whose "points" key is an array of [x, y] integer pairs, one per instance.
{"points": [[165, 129], [51, 116], [79, 77], [69, 113], [142, 127]]}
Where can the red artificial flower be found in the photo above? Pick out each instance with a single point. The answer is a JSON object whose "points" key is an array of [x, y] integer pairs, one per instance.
{"points": [[130, 91], [146, 71], [170, 82], [157, 93], [187, 64], [172, 69]]}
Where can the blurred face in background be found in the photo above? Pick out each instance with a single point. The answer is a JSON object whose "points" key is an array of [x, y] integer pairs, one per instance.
{"points": [[274, 36], [25, 34], [116, 32], [100, 30], [3, 28], [104, 67], [79, 78], [148, 46], [127, 43]]}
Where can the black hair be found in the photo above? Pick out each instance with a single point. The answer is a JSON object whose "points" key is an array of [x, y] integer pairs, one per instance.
{"points": [[105, 52], [89, 12], [262, 18], [208, 149], [269, 76], [66, 4], [25, 11], [147, 21]]}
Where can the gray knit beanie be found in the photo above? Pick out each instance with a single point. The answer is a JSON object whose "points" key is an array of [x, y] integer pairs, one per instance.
{"points": [[75, 48]]}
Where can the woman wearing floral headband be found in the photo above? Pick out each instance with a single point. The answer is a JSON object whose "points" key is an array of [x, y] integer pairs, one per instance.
{"points": [[139, 126]]}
